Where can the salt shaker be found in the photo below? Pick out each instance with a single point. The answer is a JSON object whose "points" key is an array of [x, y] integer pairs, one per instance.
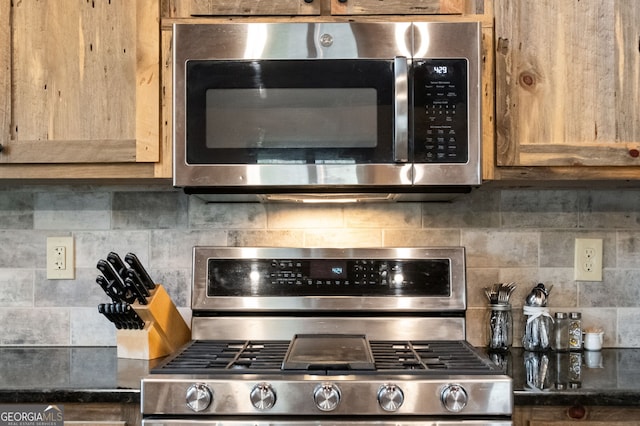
{"points": [[575, 331]]}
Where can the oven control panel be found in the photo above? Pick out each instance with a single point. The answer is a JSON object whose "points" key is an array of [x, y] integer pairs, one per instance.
{"points": [[454, 396], [328, 277], [440, 111]]}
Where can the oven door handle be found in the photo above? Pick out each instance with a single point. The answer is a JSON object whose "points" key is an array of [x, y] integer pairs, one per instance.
{"points": [[401, 110]]}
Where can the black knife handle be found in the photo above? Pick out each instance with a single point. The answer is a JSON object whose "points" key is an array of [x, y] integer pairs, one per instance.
{"points": [[107, 270], [118, 265], [135, 263], [134, 319], [137, 281], [136, 290], [108, 288], [106, 309], [115, 280]]}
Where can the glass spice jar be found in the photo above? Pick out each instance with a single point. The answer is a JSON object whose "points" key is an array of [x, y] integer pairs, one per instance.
{"points": [[575, 331], [561, 332]]}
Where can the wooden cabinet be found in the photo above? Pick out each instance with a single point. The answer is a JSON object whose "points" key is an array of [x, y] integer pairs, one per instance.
{"points": [[567, 89], [103, 414], [565, 416], [192, 8], [80, 90]]}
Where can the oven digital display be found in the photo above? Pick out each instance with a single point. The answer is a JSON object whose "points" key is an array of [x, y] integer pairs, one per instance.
{"points": [[329, 277], [328, 269]]}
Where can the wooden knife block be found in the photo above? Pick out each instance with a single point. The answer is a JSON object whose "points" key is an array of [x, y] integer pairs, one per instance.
{"points": [[164, 329]]}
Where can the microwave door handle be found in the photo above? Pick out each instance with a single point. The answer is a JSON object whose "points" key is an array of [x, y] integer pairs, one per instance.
{"points": [[401, 110]]}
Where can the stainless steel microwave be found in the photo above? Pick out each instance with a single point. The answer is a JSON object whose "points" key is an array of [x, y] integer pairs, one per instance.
{"points": [[327, 111]]}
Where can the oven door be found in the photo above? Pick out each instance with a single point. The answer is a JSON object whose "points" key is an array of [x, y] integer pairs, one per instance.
{"points": [[411, 421], [254, 117], [289, 105]]}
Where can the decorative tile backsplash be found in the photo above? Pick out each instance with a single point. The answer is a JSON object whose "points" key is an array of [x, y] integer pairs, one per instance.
{"points": [[520, 235]]}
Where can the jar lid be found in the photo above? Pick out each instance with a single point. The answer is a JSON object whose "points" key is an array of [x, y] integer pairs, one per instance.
{"points": [[575, 315], [561, 315], [500, 307]]}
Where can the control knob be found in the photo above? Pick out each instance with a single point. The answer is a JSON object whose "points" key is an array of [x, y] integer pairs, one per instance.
{"points": [[262, 396], [326, 396], [454, 398], [199, 397], [390, 397]]}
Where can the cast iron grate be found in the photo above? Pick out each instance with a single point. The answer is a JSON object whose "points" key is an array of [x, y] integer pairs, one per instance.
{"points": [[266, 357]]}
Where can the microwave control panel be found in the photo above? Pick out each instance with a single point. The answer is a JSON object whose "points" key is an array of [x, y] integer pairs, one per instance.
{"points": [[440, 113]]}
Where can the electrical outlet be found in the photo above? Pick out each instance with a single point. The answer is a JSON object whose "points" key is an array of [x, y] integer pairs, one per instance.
{"points": [[588, 259], [60, 258]]}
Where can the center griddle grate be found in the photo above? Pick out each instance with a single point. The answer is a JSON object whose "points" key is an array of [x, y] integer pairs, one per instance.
{"points": [[266, 357]]}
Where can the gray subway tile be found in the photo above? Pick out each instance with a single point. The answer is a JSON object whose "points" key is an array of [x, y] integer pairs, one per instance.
{"points": [[72, 210], [149, 210]]}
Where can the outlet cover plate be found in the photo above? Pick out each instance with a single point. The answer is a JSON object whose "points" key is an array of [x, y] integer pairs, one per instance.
{"points": [[60, 263], [588, 259]]}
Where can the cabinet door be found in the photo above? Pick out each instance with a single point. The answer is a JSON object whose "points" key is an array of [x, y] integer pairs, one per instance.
{"points": [[5, 73], [187, 8], [399, 7], [85, 83], [567, 85], [577, 414]]}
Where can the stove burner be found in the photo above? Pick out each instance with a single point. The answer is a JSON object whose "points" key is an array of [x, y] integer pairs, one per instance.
{"points": [[266, 357]]}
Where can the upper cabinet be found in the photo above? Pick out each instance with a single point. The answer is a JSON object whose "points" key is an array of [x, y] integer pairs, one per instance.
{"points": [[401, 7], [567, 89], [194, 8], [80, 90], [188, 8]]}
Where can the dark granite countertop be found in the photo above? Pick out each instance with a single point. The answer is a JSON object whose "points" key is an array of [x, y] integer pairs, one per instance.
{"points": [[96, 374], [607, 377], [69, 374]]}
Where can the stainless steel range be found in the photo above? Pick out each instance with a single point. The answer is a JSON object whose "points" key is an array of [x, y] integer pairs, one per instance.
{"points": [[287, 336]]}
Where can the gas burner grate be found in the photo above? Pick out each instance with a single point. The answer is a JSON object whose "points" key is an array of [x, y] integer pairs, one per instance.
{"points": [[255, 357], [208, 356], [453, 356]]}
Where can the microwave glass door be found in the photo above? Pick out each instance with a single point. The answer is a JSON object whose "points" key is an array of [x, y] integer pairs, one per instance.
{"points": [[290, 111]]}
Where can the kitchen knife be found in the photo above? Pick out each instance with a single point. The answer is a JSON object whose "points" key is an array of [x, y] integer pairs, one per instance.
{"points": [[122, 315], [116, 280], [105, 309], [137, 289], [133, 275], [118, 265], [109, 289], [136, 265], [134, 319]]}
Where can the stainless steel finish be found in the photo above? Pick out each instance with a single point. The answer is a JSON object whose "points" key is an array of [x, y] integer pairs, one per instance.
{"points": [[390, 398], [232, 375], [454, 398], [455, 301], [422, 396], [401, 110], [326, 41], [284, 328], [326, 396], [441, 42], [262, 396], [199, 397]]}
